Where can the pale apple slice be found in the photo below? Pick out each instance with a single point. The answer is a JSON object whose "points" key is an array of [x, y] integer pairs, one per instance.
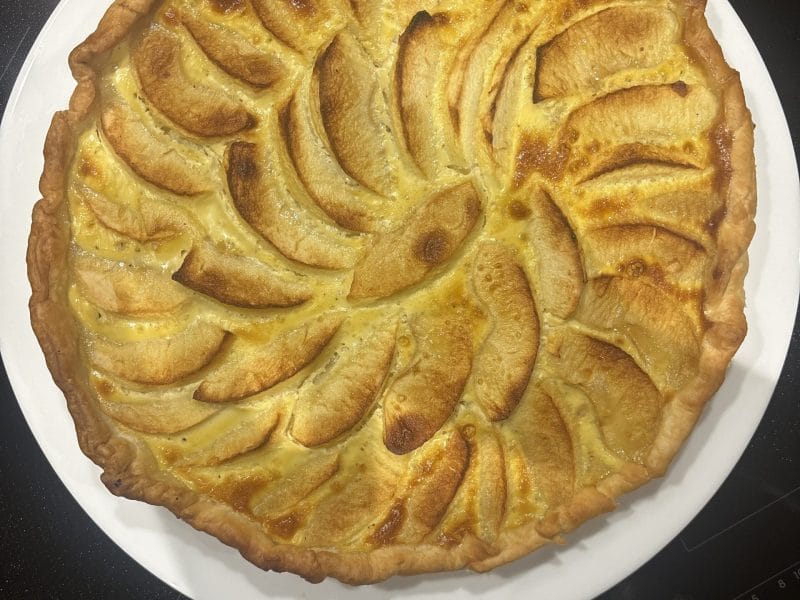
{"points": [[612, 40], [199, 109], [429, 238], [225, 436], [336, 399], [422, 398], [233, 53], [239, 280], [504, 365], [348, 89], [648, 323], [124, 289], [300, 24], [342, 198], [427, 49], [555, 262], [161, 412], [645, 250], [288, 491], [265, 204], [150, 157], [252, 367], [627, 403], [434, 478], [149, 221], [480, 505], [158, 360]]}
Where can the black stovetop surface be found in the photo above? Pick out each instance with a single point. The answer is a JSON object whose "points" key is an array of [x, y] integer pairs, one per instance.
{"points": [[745, 544]]}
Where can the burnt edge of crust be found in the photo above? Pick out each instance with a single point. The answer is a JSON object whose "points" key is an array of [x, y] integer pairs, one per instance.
{"points": [[129, 468]]}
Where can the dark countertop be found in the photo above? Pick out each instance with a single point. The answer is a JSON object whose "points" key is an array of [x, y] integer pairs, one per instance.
{"points": [[744, 544]]}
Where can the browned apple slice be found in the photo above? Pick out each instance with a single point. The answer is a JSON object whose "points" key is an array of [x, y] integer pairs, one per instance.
{"points": [[341, 197], [503, 366], [199, 109], [429, 238], [648, 323], [348, 87], [156, 413], [556, 266], [149, 221], [612, 40], [434, 479], [233, 53], [426, 51], [300, 24], [264, 202], [336, 399], [423, 397], [124, 289], [239, 280], [644, 250], [227, 435], [253, 367], [627, 404], [288, 491], [158, 360], [149, 157]]}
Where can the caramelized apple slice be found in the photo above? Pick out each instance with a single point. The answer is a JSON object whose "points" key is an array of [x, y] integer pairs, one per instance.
{"points": [[197, 108], [423, 397], [555, 261], [264, 202], [426, 50], [124, 289], [627, 404], [648, 323], [233, 53], [252, 367], [301, 481], [347, 93], [337, 398], [300, 24], [503, 366], [342, 198], [148, 156], [429, 238], [159, 360], [157, 413], [239, 280], [609, 41], [435, 477]]}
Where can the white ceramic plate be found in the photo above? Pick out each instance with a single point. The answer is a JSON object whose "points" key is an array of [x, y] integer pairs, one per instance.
{"points": [[597, 556]]}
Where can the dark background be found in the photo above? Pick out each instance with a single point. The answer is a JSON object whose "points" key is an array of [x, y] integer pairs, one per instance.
{"points": [[744, 544]]}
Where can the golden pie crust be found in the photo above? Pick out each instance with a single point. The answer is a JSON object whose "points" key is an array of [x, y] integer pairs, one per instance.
{"points": [[392, 286]]}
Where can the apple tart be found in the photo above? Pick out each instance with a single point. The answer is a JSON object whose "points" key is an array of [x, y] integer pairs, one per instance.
{"points": [[392, 286]]}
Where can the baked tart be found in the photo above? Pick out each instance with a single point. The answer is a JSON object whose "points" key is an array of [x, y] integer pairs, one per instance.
{"points": [[379, 287]]}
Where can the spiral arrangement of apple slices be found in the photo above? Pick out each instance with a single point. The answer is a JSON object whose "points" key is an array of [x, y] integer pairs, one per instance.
{"points": [[398, 272]]}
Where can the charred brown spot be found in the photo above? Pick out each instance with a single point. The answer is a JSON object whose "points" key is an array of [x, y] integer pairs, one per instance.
{"points": [[228, 6], [433, 247], [680, 88], [388, 530], [537, 155], [716, 219], [242, 161], [285, 526], [634, 268], [170, 16], [722, 139], [519, 210], [406, 434]]}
